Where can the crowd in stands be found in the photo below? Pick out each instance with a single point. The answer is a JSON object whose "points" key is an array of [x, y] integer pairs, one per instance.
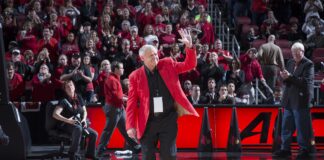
{"points": [[50, 41]]}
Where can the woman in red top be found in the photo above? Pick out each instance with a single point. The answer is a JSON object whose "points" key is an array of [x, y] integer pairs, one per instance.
{"points": [[70, 46], [104, 71], [27, 38]]}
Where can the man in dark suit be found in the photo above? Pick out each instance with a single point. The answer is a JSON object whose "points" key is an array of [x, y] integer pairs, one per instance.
{"points": [[155, 100], [298, 78], [196, 97]]}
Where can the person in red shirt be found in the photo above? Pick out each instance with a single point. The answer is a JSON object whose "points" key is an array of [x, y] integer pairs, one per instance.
{"points": [[131, 9], [224, 55], [50, 43], [114, 109], [44, 85], [70, 47], [27, 38], [136, 42], [104, 71], [208, 30], [251, 66], [147, 16], [16, 83], [252, 69]]}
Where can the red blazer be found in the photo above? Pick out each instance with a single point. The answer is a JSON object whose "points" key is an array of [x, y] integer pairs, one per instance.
{"points": [[138, 104]]}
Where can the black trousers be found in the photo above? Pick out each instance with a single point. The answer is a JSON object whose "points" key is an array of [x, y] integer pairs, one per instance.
{"points": [[77, 132], [115, 117], [270, 73], [164, 130]]}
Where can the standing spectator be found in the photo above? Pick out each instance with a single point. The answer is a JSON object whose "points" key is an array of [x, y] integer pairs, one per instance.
{"points": [[65, 22], [252, 69], [202, 11], [105, 69], [61, 64], [297, 97], [271, 60], [224, 55], [89, 95], [212, 70], [16, 83], [207, 28], [50, 43], [114, 109]]}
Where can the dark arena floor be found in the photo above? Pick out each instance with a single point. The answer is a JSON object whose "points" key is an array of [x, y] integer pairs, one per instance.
{"points": [[38, 152]]}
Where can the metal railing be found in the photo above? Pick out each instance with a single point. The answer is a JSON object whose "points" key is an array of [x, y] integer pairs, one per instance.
{"points": [[236, 49], [225, 36]]}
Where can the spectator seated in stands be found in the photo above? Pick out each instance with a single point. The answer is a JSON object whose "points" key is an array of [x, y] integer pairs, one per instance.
{"points": [[136, 41], [78, 73], [252, 35], [127, 57], [176, 53], [70, 46], [187, 86], [50, 43], [310, 23], [270, 25], [235, 74], [167, 39], [223, 97], [212, 70], [196, 97], [44, 85], [43, 58], [316, 40], [312, 7], [16, 83], [211, 93], [294, 34], [23, 69]]}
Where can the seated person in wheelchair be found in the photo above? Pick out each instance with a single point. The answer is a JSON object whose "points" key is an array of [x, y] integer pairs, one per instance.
{"points": [[72, 114]]}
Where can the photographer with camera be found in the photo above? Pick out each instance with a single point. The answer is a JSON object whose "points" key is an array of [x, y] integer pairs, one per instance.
{"points": [[72, 114]]}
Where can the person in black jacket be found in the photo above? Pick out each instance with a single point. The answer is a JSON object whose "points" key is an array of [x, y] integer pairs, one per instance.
{"points": [[72, 114], [298, 78]]}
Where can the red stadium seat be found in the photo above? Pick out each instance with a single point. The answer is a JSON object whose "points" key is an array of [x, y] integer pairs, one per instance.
{"points": [[257, 43], [283, 43], [318, 55], [286, 52], [243, 20], [246, 29]]}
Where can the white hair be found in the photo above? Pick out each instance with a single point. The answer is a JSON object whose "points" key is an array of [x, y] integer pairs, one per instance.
{"points": [[298, 45], [146, 48]]}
